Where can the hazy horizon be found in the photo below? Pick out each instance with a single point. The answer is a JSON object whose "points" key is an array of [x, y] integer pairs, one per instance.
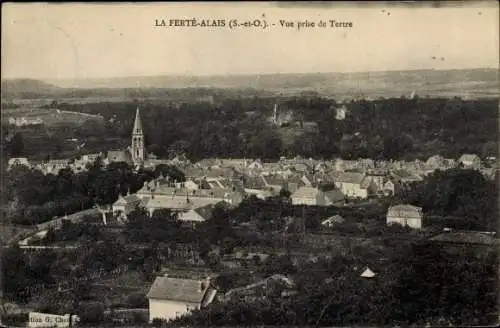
{"points": [[245, 74], [89, 41]]}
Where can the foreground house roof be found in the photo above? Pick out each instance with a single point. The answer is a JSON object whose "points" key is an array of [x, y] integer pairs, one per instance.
{"points": [[177, 289]]}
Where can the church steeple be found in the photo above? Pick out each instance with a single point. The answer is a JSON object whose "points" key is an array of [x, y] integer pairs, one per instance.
{"points": [[137, 123], [137, 148]]}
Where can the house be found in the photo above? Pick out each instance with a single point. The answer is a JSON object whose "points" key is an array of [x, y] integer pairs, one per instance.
{"points": [[378, 179], [170, 298], [354, 184], [124, 205], [275, 182], [435, 162], [405, 177], [184, 200], [256, 186], [390, 188], [470, 161], [315, 197], [405, 215], [305, 196]]}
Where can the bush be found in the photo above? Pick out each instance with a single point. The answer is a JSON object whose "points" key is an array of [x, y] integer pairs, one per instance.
{"points": [[138, 318], [91, 312], [157, 322], [137, 300]]}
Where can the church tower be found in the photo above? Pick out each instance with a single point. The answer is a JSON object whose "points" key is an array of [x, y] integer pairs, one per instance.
{"points": [[137, 148]]}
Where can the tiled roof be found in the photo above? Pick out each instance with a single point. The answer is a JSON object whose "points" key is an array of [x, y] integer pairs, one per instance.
{"points": [[274, 180], [255, 183], [180, 202], [349, 177], [165, 190], [305, 192], [193, 172], [198, 214], [175, 289], [405, 210]]}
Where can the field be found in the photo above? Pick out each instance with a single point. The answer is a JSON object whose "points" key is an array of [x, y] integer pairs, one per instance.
{"points": [[50, 116]]}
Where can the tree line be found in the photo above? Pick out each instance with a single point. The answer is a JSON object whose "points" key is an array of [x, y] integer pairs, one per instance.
{"points": [[393, 128]]}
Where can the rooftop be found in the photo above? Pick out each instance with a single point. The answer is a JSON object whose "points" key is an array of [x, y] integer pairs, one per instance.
{"points": [[177, 289]]}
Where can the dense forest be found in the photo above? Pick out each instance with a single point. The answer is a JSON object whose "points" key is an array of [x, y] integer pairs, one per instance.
{"points": [[394, 128]]}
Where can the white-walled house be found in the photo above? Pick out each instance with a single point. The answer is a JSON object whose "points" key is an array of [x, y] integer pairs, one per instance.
{"points": [[170, 298], [405, 215], [314, 197], [354, 184]]}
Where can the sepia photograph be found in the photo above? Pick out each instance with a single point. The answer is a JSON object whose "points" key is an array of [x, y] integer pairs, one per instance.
{"points": [[249, 164]]}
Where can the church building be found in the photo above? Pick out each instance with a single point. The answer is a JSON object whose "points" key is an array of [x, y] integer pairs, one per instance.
{"points": [[136, 152]]}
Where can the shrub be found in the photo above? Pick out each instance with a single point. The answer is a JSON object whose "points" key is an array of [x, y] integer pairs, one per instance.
{"points": [[91, 312], [137, 300], [138, 318]]}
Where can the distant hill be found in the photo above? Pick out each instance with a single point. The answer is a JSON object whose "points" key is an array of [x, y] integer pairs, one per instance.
{"points": [[27, 86], [472, 82], [469, 83]]}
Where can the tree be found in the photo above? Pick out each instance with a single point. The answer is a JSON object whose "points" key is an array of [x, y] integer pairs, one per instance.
{"points": [[17, 145], [91, 313]]}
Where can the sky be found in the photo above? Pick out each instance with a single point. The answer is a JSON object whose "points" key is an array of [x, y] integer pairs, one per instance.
{"points": [[78, 41]]}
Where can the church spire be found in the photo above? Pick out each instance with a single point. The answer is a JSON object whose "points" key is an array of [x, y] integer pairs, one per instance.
{"points": [[137, 123]]}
